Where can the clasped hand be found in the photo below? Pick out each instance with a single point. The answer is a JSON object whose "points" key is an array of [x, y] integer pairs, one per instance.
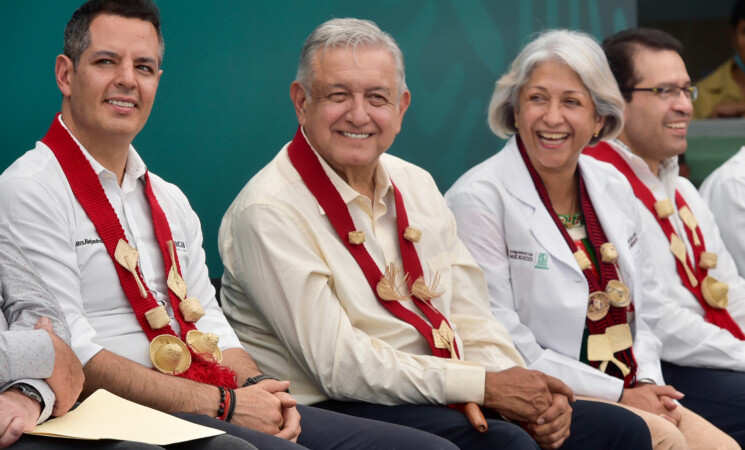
{"points": [[538, 401], [266, 407]]}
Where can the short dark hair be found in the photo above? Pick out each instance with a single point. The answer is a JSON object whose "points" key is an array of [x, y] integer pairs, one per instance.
{"points": [[78, 33], [738, 13], [621, 47]]}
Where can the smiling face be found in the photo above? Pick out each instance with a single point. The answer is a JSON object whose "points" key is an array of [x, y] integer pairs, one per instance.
{"points": [[656, 128], [354, 111], [110, 94], [556, 118]]}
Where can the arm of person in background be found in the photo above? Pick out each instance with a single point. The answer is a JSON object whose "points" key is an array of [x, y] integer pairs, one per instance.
{"points": [[728, 110]]}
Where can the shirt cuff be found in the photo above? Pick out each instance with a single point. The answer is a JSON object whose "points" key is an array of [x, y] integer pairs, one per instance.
{"points": [[30, 354], [464, 382], [46, 393]]}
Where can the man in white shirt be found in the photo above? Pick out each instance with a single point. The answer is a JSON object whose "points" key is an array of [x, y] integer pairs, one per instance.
{"points": [[343, 270], [122, 251], [703, 353], [724, 192]]}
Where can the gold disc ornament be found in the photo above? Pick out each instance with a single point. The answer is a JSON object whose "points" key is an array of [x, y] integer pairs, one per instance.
{"points": [[169, 354], [715, 292], [598, 305], [619, 294], [204, 343]]}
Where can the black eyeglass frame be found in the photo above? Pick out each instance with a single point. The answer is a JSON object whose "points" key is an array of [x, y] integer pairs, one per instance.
{"points": [[692, 91]]}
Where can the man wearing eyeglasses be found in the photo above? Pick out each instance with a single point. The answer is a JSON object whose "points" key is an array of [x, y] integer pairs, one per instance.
{"points": [[702, 322]]}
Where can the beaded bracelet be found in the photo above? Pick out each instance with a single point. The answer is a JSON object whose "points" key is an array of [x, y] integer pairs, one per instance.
{"points": [[221, 410], [231, 408]]}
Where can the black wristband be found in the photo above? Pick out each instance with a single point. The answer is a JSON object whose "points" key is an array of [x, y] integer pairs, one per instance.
{"points": [[231, 409], [221, 407], [250, 381]]}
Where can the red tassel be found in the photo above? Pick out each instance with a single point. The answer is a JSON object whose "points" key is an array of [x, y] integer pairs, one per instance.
{"points": [[205, 369]]}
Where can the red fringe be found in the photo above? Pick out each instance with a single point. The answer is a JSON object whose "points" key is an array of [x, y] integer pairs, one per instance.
{"points": [[205, 369]]}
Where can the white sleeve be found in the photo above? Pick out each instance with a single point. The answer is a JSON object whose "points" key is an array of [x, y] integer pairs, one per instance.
{"points": [[480, 226], [41, 221]]}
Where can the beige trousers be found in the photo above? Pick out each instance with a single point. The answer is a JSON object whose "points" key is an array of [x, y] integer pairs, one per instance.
{"points": [[693, 432]]}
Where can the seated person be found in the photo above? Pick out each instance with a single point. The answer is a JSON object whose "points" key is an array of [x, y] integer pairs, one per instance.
{"points": [[701, 327], [559, 237], [722, 93], [344, 273], [122, 251], [724, 193], [39, 373]]}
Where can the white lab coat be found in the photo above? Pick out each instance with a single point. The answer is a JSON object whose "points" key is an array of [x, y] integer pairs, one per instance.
{"points": [[535, 285]]}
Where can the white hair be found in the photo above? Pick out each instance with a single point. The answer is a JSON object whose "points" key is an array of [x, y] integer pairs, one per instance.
{"points": [[347, 33], [581, 53]]}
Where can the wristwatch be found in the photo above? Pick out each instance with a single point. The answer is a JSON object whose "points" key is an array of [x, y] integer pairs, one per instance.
{"points": [[250, 381], [30, 391]]}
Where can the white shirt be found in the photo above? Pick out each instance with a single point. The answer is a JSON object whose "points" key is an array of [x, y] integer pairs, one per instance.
{"points": [[298, 299], [62, 242], [687, 339], [724, 192], [535, 285]]}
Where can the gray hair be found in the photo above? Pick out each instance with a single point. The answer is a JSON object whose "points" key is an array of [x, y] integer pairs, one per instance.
{"points": [[581, 53], [347, 33]]}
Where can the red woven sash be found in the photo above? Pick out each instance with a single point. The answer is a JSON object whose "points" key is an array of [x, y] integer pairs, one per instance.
{"points": [[719, 317], [306, 163], [90, 194], [606, 271]]}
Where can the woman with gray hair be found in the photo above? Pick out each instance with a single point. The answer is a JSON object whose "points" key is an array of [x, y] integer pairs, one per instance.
{"points": [[558, 236]]}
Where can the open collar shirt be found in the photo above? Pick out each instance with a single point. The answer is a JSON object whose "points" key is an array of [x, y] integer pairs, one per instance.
{"points": [[687, 339], [300, 302], [62, 242]]}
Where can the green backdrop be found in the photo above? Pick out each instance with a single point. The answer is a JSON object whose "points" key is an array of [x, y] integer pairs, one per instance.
{"points": [[223, 107]]}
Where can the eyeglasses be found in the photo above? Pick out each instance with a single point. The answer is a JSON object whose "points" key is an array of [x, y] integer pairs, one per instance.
{"points": [[669, 92]]}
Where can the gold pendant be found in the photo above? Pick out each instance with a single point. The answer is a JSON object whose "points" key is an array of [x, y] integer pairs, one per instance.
{"points": [[715, 292], [169, 354], [598, 305], [424, 292], [204, 343], [175, 281], [678, 247], [444, 338], [157, 317], [608, 253], [191, 309], [601, 347], [127, 256], [412, 234], [664, 208], [393, 287], [690, 221], [620, 296], [582, 259], [708, 260], [356, 237]]}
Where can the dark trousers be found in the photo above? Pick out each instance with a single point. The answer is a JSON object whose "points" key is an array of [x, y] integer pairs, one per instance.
{"points": [[594, 425], [717, 395], [328, 430]]}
